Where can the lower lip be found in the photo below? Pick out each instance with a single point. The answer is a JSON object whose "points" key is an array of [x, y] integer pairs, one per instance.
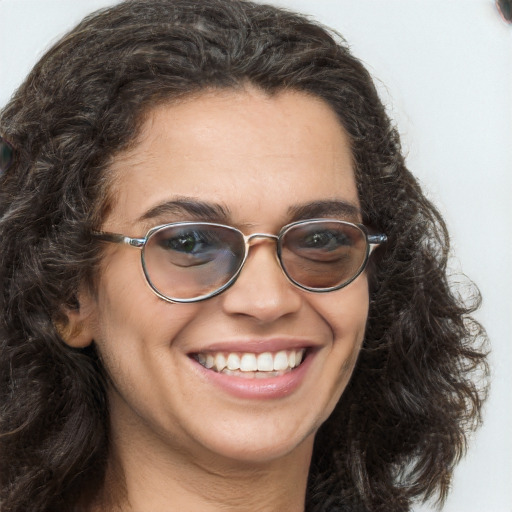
{"points": [[272, 387]]}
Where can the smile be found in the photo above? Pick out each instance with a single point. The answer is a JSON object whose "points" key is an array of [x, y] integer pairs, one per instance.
{"points": [[251, 365]]}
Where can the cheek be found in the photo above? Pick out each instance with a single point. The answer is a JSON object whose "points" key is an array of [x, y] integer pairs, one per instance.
{"points": [[346, 311], [134, 342], [132, 320]]}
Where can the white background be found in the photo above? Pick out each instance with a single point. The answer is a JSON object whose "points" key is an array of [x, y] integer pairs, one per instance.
{"points": [[444, 68]]}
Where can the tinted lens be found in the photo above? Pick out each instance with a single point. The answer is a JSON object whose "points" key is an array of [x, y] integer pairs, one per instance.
{"points": [[323, 255], [189, 261]]}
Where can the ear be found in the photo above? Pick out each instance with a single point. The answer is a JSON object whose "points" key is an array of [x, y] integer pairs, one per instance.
{"points": [[78, 330]]}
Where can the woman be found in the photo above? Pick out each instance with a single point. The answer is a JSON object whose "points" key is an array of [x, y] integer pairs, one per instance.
{"points": [[156, 355]]}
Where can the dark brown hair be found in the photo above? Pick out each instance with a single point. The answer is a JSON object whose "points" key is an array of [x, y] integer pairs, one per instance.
{"points": [[400, 426]]}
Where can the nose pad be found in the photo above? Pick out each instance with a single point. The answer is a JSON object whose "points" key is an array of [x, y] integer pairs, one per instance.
{"points": [[262, 290]]}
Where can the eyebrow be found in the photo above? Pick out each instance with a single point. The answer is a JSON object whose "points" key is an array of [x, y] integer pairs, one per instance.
{"points": [[325, 208], [190, 207], [214, 212]]}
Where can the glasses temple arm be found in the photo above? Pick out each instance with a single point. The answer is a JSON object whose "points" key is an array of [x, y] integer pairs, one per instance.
{"points": [[119, 239], [375, 240]]}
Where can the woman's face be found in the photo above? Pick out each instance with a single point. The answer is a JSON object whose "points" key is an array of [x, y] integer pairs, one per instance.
{"points": [[257, 163]]}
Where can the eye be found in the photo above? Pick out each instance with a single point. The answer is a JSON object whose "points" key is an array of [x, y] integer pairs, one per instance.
{"points": [[188, 247], [190, 242], [324, 243], [325, 240], [186, 242]]}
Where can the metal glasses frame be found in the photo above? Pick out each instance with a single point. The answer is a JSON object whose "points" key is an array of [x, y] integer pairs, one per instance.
{"points": [[372, 241]]}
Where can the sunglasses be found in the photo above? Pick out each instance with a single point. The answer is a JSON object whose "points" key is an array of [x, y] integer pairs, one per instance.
{"points": [[193, 261]]}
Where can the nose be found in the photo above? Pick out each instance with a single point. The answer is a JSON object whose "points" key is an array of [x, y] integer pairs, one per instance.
{"points": [[262, 291]]}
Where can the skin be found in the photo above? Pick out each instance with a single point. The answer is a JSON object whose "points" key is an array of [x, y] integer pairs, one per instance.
{"points": [[179, 442]]}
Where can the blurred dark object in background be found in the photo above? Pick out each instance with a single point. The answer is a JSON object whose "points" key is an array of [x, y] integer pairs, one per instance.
{"points": [[6, 155], [505, 9]]}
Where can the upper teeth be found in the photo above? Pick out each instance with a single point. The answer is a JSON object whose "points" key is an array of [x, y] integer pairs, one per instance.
{"points": [[250, 362]]}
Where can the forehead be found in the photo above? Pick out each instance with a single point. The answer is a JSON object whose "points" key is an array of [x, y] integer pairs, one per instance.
{"points": [[244, 150]]}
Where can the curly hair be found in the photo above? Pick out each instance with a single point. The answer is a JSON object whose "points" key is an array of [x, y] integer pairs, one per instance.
{"points": [[417, 390]]}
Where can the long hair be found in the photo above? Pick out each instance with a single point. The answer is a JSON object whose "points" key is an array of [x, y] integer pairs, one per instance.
{"points": [[401, 424]]}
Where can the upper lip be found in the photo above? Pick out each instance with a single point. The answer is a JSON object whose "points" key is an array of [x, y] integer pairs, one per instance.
{"points": [[257, 345]]}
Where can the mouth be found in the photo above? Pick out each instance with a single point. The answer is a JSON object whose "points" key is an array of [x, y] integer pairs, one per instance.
{"points": [[250, 365]]}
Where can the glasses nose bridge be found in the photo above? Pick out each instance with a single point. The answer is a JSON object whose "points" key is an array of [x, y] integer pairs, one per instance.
{"points": [[252, 238], [256, 239]]}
